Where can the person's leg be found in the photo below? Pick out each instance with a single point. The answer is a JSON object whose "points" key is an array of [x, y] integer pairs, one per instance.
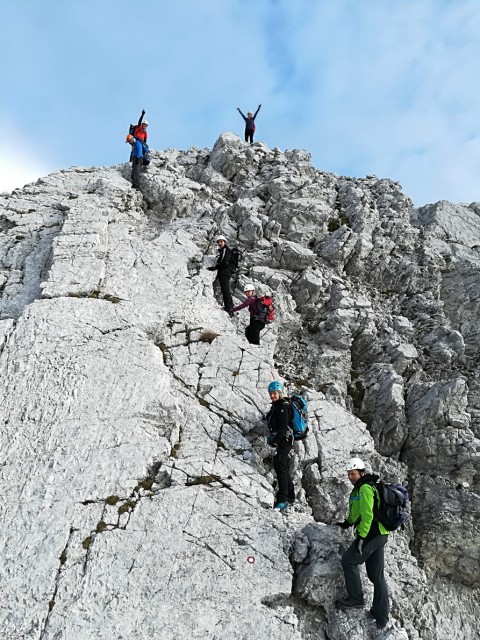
{"points": [[246, 135], [375, 572], [280, 464], [136, 165], [250, 137], [350, 562], [253, 331], [291, 486], [224, 280]]}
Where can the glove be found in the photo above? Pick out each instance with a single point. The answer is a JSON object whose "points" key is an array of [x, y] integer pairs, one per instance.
{"points": [[271, 439], [359, 545], [143, 112], [343, 525], [210, 268]]}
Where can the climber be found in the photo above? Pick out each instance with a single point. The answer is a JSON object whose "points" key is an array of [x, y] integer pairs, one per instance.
{"points": [[252, 332], [224, 270], [368, 546], [136, 158], [249, 123], [281, 438], [140, 131]]}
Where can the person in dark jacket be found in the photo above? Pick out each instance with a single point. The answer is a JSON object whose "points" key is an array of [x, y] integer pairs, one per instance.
{"points": [[137, 160], [252, 332], [281, 437], [224, 271], [249, 123], [368, 546]]}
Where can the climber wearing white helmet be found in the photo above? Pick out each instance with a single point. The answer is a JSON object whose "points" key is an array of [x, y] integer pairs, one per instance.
{"points": [[140, 131], [252, 332], [368, 546]]}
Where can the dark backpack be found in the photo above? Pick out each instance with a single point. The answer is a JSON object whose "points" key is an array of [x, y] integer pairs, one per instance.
{"points": [[235, 256], [299, 416], [265, 310], [391, 506]]}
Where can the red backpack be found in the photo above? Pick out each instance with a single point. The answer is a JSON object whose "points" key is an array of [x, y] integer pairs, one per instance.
{"points": [[265, 309]]}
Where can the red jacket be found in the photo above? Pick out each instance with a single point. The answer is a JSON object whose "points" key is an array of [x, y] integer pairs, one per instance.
{"points": [[140, 133]]}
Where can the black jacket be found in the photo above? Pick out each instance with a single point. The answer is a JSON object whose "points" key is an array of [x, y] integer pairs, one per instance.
{"points": [[278, 420], [223, 260]]}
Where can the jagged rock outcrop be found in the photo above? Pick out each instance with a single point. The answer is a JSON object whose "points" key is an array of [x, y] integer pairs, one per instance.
{"points": [[136, 485]]}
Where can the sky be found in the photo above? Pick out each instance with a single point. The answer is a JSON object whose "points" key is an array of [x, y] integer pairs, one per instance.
{"points": [[382, 87]]}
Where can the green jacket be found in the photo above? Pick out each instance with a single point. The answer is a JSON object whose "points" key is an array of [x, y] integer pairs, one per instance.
{"points": [[361, 505]]}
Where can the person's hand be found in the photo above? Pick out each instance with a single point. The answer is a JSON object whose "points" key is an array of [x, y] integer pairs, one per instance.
{"points": [[272, 451], [210, 268], [359, 545], [143, 112], [343, 525]]}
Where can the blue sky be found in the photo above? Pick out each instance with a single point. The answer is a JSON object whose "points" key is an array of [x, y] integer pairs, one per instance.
{"points": [[386, 86]]}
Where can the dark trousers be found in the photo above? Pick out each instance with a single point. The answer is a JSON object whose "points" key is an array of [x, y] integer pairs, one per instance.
{"points": [[249, 135], [252, 332], [286, 489], [136, 166], [223, 277], [373, 557]]}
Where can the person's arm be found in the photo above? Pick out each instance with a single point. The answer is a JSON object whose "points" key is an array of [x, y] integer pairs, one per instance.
{"points": [[240, 306], [244, 117], [282, 415], [366, 495], [140, 119], [257, 111]]}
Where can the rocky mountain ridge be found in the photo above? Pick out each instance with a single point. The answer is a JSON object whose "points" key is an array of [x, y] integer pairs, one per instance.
{"points": [[136, 482]]}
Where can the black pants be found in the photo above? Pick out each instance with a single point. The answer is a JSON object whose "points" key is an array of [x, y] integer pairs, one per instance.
{"points": [[249, 135], [373, 557], [252, 332], [223, 277], [136, 166], [286, 489]]}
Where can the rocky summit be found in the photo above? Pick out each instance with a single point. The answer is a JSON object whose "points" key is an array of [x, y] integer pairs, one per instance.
{"points": [[137, 487]]}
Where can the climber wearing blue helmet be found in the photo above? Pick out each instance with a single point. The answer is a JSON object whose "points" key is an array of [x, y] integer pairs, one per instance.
{"points": [[280, 436]]}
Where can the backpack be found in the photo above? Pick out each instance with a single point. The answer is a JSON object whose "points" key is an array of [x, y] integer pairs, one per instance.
{"points": [[265, 310], [235, 256], [391, 506], [299, 416]]}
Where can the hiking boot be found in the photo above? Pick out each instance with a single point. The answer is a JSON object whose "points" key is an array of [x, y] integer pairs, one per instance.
{"points": [[281, 506], [378, 624], [349, 603]]}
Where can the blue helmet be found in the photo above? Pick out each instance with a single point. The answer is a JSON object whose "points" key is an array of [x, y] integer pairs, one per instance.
{"points": [[275, 386]]}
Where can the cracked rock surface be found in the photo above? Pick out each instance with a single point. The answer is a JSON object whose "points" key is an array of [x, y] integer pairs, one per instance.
{"points": [[136, 484]]}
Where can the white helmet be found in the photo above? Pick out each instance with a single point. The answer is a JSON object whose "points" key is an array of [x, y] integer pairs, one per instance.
{"points": [[221, 238], [355, 463], [145, 122], [249, 287]]}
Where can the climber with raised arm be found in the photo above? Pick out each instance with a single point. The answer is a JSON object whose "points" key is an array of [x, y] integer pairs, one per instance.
{"points": [[280, 437], [249, 123], [140, 131], [368, 546], [257, 323]]}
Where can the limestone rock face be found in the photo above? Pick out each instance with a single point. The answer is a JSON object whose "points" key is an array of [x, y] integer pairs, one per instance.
{"points": [[136, 483]]}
